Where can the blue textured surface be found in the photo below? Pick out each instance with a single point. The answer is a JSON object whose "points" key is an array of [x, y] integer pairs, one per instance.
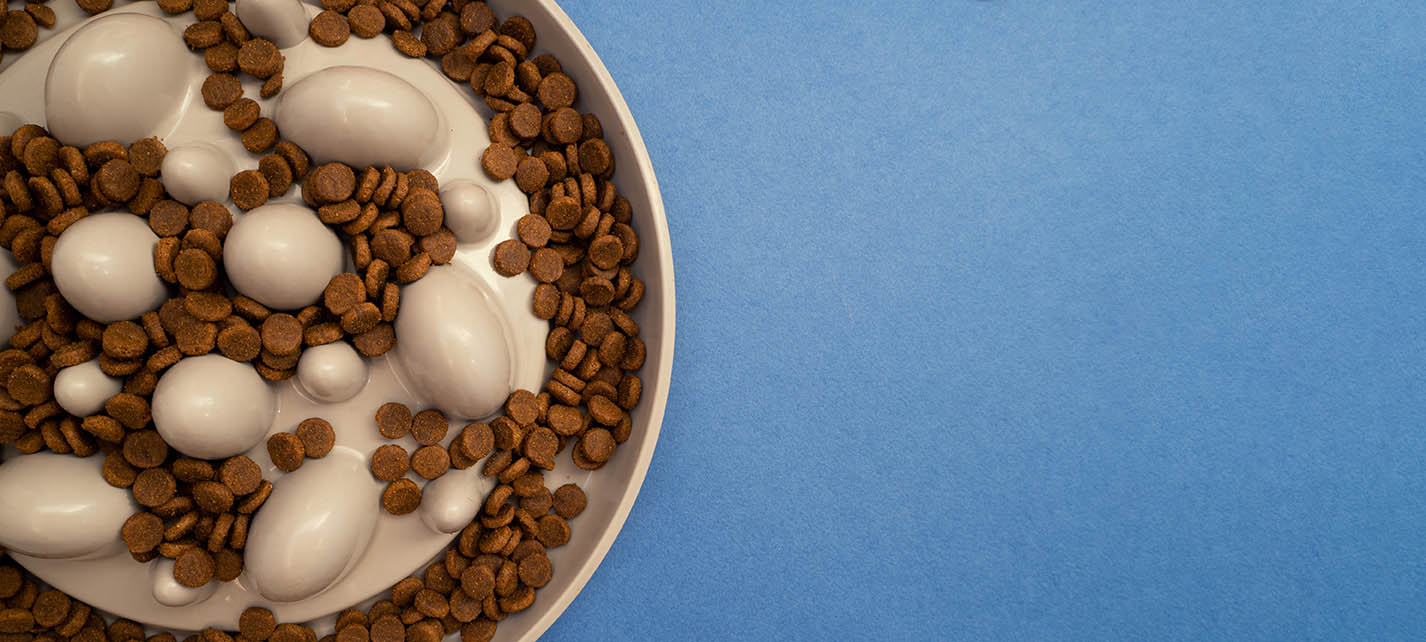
{"points": [[1023, 320]]}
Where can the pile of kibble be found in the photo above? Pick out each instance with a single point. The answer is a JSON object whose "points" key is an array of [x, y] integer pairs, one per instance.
{"points": [[577, 242]]}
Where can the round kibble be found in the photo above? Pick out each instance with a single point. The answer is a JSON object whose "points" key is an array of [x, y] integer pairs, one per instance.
{"points": [[260, 58], [344, 291], [195, 269], [278, 173], [212, 496], [240, 474], [556, 90], [366, 21], [401, 497], [360, 318], [563, 213], [317, 437], [511, 257], [546, 265], [142, 532], [153, 487], [430, 462], [330, 29], [242, 114], [393, 420], [429, 427], [564, 127], [546, 301], [286, 451], [193, 568], [282, 334], [499, 161], [478, 581], [441, 246], [333, 183], [125, 340], [248, 189], [240, 342], [535, 570], [261, 136], [606, 251], [421, 212], [534, 230], [18, 30], [408, 44], [208, 306], [145, 449], [118, 180], [168, 218], [390, 462], [221, 58], [569, 501], [531, 174], [594, 156], [477, 440], [146, 155], [221, 90], [257, 623]]}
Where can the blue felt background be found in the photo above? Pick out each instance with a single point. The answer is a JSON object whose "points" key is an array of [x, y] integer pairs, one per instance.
{"points": [[1029, 320]]}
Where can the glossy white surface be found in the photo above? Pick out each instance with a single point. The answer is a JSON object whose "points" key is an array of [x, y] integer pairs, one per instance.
{"points": [[332, 373], [59, 506], [103, 265], [121, 77], [361, 116], [212, 407], [470, 211], [282, 255], [309, 533], [82, 390], [168, 592], [453, 344], [197, 172], [9, 314], [282, 21], [451, 501]]}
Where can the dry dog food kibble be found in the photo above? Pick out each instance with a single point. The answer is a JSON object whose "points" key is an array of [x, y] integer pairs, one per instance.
{"points": [[317, 437], [286, 451], [401, 497], [389, 462]]}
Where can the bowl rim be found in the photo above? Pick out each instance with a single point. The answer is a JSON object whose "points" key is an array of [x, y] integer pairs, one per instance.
{"points": [[666, 322]]}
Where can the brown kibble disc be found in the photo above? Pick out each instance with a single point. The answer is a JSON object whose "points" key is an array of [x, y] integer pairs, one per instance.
{"points": [[145, 449], [278, 173], [261, 136], [401, 497], [531, 174], [408, 44], [535, 570], [18, 30], [240, 474], [556, 90], [511, 257], [389, 462], [317, 437], [282, 334], [118, 180], [499, 161], [29, 385], [239, 342], [393, 420], [421, 212], [333, 183], [257, 624], [260, 58], [344, 291], [286, 451], [153, 487], [430, 462], [212, 497], [477, 440], [376, 341], [142, 532], [248, 189], [168, 218], [360, 318], [569, 501], [221, 90], [146, 155], [125, 340], [295, 157], [546, 265], [534, 230], [429, 427], [546, 301], [597, 445], [366, 22], [193, 568], [594, 156], [195, 269], [478, 581], [330, 29]]}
